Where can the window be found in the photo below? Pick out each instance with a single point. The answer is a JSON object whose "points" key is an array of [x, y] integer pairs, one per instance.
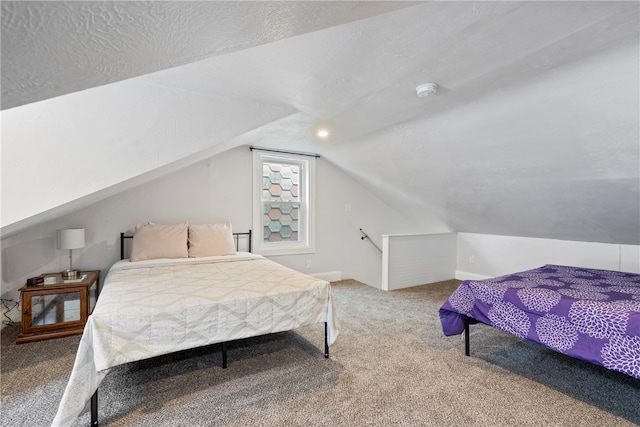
{"points": [[283, 213]]}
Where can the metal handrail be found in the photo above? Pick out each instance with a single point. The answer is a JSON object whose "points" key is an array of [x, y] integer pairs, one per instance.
{"points": [[366, 236]]}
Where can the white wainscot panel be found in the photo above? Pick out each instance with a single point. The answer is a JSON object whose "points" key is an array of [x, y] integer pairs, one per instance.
{"points": [[586, 254], [630, 258], [417, 259]]}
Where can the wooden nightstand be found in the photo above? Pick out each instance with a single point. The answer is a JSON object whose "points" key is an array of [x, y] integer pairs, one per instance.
{"points": [[58, 308]]}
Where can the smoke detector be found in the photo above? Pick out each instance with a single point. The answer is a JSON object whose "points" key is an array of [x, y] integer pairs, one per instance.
{"points": [[426, 89]]}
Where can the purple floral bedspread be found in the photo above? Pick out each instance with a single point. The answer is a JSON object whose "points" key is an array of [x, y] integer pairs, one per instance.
{"points": [[586, 313]]}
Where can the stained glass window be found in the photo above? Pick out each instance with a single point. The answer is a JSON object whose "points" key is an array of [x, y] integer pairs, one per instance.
{"points": [[281, 201], [283, 214]]}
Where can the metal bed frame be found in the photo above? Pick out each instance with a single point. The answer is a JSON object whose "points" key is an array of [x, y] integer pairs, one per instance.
{"points": [[467, 322], [94, 397]]}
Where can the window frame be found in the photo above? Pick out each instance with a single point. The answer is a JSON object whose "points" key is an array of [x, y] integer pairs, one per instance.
{"points": [[306, 231]]}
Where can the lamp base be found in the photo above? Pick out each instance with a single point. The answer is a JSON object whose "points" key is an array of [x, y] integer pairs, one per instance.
{"points": [[70, 274]]}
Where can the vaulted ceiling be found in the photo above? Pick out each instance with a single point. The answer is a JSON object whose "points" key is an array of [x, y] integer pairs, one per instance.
{"points": [[534, 130]]}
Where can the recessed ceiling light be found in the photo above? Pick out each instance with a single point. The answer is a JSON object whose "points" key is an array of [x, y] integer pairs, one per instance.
{"points": [[323, 133], [426, 89]]}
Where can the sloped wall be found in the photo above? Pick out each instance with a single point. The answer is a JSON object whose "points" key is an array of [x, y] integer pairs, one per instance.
{"points": [[63, 150]]}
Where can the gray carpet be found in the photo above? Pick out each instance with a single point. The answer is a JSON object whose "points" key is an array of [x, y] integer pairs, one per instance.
{"points": [[391, 366]]}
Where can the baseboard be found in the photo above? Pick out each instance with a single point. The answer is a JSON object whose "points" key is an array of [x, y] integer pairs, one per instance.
{"points": [[464, 275], [329, 276]]}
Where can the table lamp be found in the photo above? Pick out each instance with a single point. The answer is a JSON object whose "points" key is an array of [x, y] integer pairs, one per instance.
{"points": [[71, 238]]}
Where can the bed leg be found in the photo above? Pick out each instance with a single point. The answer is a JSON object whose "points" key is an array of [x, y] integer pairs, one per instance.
{"points": [[326, 342], [466, 336], [224, 355], [94, 409]]}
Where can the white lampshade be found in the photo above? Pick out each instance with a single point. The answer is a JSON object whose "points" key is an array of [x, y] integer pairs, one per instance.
{"points": [[72, 238]]}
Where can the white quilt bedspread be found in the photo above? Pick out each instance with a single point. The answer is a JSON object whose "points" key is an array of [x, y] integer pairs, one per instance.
{"points": [[146, 309]]}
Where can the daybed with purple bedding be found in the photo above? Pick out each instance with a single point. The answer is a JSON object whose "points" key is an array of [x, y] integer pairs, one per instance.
{"points": [[590, 314]]}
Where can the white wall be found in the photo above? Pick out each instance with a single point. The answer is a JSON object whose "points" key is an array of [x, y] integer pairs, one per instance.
{"points": [[213, 190], [482, 255], [415, 259], [219, 188]]}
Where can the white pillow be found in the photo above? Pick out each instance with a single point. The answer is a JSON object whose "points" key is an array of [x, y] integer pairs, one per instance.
{"points": [[153, 241], [211, 240]]}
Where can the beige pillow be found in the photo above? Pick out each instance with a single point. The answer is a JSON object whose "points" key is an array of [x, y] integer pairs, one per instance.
{"points": [[153, 241], [210, 240]]}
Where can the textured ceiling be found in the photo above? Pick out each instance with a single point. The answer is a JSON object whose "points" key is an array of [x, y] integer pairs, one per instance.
{"points": [[52, 48], [534, 131]]}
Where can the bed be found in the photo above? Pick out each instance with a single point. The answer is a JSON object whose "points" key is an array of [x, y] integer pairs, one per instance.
{"points": [[154, 306], [589, 314]]}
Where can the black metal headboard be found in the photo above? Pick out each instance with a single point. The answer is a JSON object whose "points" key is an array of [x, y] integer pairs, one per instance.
{"points": [[236, 236]]}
